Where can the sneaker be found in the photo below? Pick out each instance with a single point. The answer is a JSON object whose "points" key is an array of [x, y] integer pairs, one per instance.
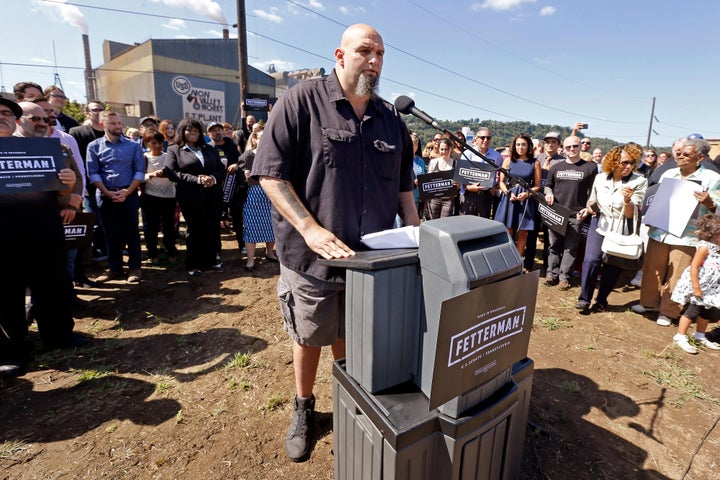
{"points": [[564, 285], [682, 341], [582, 305], [297, 441], [550, 281], [109, 275], [598, 307], [703, 340], [640, 309], [713, 335], [637, 279], [194, 272], [134, 276], [664, 321], [218, 266]]}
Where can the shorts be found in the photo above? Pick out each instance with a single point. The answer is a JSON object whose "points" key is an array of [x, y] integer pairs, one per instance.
{"points": [[693, 311], [313, 310]]}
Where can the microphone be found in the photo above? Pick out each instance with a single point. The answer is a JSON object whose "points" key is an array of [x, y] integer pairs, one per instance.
{"points": [[407, 106]]}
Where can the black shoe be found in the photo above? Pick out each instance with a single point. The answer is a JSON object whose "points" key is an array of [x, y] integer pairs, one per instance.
{"points": [[598, 307], [713, 335], [12, 368], [84, 282], [297, 441]]}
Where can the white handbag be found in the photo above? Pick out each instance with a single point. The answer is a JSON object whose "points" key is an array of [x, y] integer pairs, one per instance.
{"points": [[624, 246]]}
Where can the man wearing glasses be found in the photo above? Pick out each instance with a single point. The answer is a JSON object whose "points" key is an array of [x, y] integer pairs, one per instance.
{"points": [[585, 149], [476, 200], [568, 183]]}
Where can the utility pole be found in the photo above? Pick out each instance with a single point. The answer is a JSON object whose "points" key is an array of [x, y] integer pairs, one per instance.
{"points": [[242, 56], [652, 117]]}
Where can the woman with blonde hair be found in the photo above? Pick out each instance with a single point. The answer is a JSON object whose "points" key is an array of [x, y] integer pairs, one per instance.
{"points": [[615, 199]]}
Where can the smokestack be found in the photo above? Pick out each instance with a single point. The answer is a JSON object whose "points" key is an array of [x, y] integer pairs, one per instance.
{"points": [[226, 34], [89, 74]]}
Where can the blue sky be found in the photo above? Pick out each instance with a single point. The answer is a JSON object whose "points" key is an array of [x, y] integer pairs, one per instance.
{"points": [[554, 61]]}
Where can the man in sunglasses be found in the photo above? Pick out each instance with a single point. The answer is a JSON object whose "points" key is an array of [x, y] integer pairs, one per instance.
{"points": [[568, 184], [476, 200], [32, 253]]}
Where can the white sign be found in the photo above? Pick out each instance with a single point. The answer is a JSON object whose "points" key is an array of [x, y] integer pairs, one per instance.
{"points": [[203, 104]]}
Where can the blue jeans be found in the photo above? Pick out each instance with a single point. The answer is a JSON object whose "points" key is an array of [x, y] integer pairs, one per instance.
{"points": [[120, 220], [592, 265]]}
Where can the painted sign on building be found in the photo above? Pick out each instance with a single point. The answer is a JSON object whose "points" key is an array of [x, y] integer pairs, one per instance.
{"points": [[204, 104]]}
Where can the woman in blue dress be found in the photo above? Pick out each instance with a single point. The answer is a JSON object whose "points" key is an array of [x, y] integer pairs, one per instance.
{"points": [[517, 207]]}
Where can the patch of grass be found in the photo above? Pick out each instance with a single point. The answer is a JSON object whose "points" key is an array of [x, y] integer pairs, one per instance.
{"points": [[239, 360], [274, 402], [8, 449], [179, 417], [591, 347], [233, 383], [111, 428], [681, 379], [552, 323], [92, 374], [570, 386], [648, 353]]}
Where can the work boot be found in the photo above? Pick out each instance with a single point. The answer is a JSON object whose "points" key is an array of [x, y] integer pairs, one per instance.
{"points": [[297, 441]]}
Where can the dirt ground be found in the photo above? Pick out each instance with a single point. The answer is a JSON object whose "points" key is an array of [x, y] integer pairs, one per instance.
{"points": [[192, 378]]}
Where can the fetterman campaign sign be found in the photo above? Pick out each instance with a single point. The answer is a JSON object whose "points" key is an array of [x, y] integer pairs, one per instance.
{"points": [[481, 333], [30, 164]]}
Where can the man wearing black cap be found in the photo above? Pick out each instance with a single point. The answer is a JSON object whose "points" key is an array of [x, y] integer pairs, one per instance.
{"points": [[32, 253]]}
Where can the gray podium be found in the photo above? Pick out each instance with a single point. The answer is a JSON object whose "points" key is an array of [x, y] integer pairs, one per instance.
{"points": [[435, 385]]}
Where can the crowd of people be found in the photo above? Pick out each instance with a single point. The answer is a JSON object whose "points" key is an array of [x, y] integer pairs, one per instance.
{"points": [[160, 172], [328, 188]]}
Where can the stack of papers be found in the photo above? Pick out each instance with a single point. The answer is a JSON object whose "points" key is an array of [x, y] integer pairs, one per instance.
{"points": [[405, 237]]}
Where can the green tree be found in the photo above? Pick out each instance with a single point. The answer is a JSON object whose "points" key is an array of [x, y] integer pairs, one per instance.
{"points": [[75, 110]]}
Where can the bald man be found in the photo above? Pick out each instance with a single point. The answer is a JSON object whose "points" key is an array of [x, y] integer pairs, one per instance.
{"points": [[336, 162]]}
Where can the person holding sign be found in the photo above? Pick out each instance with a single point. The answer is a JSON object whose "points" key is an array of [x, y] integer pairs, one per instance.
{"points": [[443, 206], [476, 199], [568, 183], [32, 252], [668, 255]]}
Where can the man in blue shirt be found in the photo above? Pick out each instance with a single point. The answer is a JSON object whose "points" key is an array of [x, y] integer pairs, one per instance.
{"points": [[116, 166]]}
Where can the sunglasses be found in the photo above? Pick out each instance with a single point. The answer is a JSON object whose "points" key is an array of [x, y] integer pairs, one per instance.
{"points": [[625, 163], [585, 143], [571, 146], [96, 110], [484, 138], [36, 119]]}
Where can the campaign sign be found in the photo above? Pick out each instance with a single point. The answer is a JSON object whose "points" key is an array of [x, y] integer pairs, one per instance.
{"points": [[479, 173], [30, 164], [436, 185], [482, 333], [256, 102], [78, 233], [649, 197], [555, 216], [228, 187]]}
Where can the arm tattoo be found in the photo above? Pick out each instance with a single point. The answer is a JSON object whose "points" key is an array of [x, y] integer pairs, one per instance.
{"points": [[292, 201]]}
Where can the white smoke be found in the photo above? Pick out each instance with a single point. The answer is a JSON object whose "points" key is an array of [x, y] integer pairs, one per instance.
{"points": [[206, 8], [61, 11]]}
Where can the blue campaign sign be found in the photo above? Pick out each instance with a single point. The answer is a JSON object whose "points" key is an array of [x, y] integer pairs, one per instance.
{"points": [[30, 164]]}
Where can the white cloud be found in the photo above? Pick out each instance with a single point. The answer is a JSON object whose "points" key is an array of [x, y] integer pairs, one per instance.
{"points": [[545, 11], [206, 8], [175, 24], [270, 16], [350, 10], [185, 37], [499, 5], [316, 5], [280, 65]]}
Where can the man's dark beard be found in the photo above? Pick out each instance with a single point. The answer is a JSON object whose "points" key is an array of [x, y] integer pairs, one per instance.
{"points": [[366, 85]]}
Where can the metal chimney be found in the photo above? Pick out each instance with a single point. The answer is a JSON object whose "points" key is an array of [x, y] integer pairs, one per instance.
{"points": [[89, 74], [226, 34]]}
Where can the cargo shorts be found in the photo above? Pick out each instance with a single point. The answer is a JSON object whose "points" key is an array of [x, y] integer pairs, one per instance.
{"points": [[313, 310]]}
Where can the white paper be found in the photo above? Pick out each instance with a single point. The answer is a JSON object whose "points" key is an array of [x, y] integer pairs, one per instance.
{"points": [[673, 205], [404, 237]]}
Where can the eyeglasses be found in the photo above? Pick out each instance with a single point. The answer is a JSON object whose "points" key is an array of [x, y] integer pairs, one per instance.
{"points": [[96, 110], [571, 146], [651, 155], [484, 138], [585, 143], [36, 119], [57, 95], [625, 163]]}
